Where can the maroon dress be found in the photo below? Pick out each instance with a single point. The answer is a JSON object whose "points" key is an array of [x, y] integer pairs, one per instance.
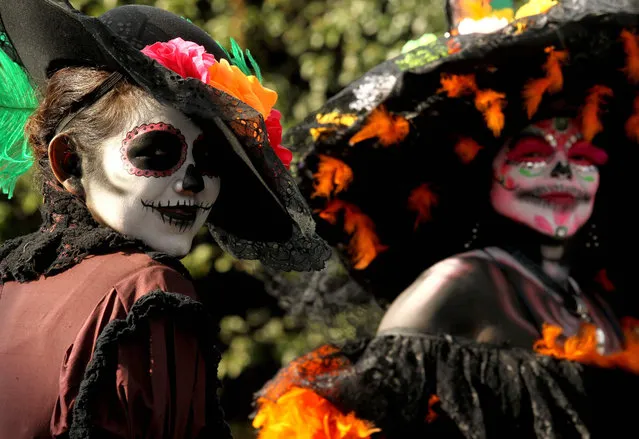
{"points": [[155, 385]]}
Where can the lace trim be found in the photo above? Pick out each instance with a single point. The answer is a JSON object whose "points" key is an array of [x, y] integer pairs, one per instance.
{"points": [[101, 369]]}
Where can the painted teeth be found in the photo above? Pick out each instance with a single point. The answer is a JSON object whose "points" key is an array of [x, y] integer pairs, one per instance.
{"points": [[185, 203]]}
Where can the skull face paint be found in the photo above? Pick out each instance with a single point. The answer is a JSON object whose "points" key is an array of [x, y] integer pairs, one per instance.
{"points": [[547, 178], [157, 181]]}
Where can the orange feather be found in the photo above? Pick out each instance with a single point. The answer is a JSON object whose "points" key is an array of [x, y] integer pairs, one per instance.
{"points": [[553, 82], [422, 200], [302, 414], [590, 122], [631, 47], [457, 86], [364, 245], [582, 347], [491, 104], [632, 125], [533, 93], [467, 149], [332, 177], [388, 128]]}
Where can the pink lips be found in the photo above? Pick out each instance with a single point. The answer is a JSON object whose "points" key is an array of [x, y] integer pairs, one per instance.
{"points": [[562, 199]]}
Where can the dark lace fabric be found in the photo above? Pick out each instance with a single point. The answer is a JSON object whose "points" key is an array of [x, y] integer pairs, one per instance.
{"points": [[324, 296], [483, 391], [68, 235]]}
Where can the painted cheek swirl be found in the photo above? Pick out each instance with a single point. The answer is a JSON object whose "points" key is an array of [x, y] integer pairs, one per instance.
{"points": [[502, 177], [153, 150]]}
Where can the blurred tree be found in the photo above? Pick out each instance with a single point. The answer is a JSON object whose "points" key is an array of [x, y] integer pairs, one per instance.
{"points": [[308, 51]]}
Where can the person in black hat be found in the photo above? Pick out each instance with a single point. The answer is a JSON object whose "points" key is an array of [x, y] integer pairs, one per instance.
{"points": [[142, 129], [498, 161]]}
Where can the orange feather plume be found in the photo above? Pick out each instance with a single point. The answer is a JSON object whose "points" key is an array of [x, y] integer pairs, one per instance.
{"points": [[631, 47], [388, 128], [332, 177], [553, 82], [431, 416], [632, 124], [422, 200], [457, 86], [467, 149], [489, 102], [590, 122], [582, 347], [364, 245]]}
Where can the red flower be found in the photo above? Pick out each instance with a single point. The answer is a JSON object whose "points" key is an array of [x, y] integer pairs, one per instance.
{"points": [[187, 59], [274, 130]]}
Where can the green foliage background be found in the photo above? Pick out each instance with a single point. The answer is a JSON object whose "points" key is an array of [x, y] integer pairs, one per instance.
{"points": [[308, 51]]}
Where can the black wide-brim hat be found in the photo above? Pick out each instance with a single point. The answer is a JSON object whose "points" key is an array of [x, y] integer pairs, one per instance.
{"points": [[386, 163], [260, 213]]}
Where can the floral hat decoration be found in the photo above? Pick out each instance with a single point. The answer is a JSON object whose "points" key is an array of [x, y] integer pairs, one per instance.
{"points": [[260, 214]]}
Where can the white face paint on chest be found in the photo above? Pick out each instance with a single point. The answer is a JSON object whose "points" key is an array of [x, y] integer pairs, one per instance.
{"points": [[157, 181], [547, 178]]}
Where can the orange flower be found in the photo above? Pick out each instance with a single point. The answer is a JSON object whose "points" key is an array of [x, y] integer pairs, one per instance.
{"points": [[231, 80]]}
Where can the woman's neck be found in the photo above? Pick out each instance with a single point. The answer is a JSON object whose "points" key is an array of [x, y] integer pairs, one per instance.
{"points": [[550, 254], [554, 263]]}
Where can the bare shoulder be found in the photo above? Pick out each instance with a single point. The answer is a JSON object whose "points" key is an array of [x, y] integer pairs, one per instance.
{"points": [[442, 299]]}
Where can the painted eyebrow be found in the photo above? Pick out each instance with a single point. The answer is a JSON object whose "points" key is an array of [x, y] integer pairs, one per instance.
{"points": [[526, 134]]}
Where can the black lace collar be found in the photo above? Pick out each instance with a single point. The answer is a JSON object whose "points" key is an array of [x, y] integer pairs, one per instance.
{"points": [[67, 236]]}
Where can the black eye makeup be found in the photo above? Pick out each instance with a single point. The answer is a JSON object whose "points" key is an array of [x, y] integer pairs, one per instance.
{"points": [[205, 160], [153, 150]]}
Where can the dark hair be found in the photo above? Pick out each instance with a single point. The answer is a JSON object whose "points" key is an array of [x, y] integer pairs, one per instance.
{"points": [[90, 126]]}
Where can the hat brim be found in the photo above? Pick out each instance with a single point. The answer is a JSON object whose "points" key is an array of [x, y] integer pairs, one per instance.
{"points": [[257, 204], [409, 86]]}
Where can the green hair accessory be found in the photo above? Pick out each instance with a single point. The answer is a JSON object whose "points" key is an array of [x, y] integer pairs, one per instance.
{"points": [[17, 102], [242, 59]]}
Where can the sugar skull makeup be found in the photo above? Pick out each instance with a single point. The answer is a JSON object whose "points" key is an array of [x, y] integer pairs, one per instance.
{"points": [[547, 178], [157, 181]]}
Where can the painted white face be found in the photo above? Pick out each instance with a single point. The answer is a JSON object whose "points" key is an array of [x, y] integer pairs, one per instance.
{"points": [[156, 181], [547, 178]]}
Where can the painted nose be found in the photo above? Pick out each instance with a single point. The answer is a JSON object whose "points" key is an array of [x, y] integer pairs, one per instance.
{"points": [[561, 170], [193, 181]]}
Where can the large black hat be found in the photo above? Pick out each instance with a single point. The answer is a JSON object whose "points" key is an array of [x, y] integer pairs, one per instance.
{"points": [[397, 165], [260, 213]]}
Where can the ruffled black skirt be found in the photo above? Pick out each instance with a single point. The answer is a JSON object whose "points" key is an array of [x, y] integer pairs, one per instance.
{"points": [[415, 385]]}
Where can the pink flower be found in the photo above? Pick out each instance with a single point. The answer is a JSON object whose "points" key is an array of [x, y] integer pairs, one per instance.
{"points": [[187, 59], [274, 130]]}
